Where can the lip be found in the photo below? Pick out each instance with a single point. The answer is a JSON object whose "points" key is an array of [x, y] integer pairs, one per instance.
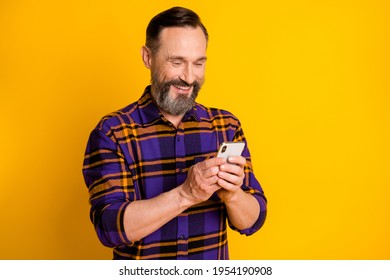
{"points": [[182, 89]]}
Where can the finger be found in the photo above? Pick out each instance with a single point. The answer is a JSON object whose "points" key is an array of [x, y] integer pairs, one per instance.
{"points": [[210, 172], [233, 169], [214, 187], [231, 178], [226, 185], [208, 190], [208, 163], [238, 160], [213, 180]]}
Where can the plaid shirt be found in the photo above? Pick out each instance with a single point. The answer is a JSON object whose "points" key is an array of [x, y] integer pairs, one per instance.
{"points": [[135, 153]]}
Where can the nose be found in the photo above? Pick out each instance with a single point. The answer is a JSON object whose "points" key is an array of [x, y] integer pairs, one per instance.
{"points": [[188, 75]]}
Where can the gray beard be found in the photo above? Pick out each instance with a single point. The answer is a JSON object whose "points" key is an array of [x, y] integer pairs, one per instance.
{"points": [[173, 106]]}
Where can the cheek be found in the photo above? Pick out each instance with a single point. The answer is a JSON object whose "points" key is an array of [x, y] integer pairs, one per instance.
{"points": [[167, 74], [199, 73]]}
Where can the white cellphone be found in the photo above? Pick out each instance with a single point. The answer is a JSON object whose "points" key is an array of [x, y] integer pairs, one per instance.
{"points": [[228, 149]]}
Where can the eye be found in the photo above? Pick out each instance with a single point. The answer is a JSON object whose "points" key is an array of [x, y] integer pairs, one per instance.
{"points": [[200, 63], [177, 63]]}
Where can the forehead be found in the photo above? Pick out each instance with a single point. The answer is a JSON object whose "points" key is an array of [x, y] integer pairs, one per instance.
{"points": [[183, 41]]}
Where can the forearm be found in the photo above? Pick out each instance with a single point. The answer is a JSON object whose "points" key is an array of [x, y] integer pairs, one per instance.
{"points": [[143, 217], [243, 210]]}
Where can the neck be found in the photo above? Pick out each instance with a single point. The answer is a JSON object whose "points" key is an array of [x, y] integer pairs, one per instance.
{"points": [[175, 120]]}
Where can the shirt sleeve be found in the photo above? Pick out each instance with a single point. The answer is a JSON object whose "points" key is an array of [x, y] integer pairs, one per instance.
{"points": [[254, 189], [110, 185], [252, 186]]}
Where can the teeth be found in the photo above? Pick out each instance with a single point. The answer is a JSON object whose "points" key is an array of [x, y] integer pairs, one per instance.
{"points": [[182, 87]]}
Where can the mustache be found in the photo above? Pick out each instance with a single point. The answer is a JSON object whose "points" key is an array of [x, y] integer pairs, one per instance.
{"points": [[177, 82]]}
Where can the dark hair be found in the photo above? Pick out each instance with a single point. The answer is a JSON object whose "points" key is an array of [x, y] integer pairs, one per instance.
{"points": [[173, 17]]}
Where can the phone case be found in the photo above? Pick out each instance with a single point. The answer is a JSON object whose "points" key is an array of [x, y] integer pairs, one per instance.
{"points": [[228, 149]]}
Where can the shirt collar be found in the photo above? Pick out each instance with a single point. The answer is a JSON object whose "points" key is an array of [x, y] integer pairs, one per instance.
{"points": [[150, 113]]}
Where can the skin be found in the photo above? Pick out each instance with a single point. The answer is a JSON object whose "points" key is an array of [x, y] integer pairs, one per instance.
{"points": [[182, 55]]}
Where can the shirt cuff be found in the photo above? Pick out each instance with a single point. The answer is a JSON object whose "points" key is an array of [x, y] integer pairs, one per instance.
{"points": [[260, 220]]}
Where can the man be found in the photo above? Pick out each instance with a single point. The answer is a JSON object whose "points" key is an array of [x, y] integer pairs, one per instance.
{"points": [[157, 189]]}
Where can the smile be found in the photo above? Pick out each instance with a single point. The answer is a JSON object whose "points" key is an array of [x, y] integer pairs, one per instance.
{"points": [[182, 87]]}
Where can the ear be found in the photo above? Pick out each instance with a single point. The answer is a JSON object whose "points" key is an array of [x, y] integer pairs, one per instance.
{"points": [[146, 56]]}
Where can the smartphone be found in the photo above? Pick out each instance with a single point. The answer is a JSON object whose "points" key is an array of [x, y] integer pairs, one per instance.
{"points": [[228, 149]]}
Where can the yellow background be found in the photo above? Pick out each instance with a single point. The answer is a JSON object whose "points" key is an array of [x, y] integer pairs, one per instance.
{"points": [[309, 81]]}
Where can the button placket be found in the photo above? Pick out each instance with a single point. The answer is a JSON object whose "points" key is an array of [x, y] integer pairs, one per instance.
{"points": [[182, 236], [182, 221]]}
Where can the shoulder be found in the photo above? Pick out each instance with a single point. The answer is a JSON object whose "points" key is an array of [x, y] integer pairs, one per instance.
{"points": [[215, 114], [118, 118]]}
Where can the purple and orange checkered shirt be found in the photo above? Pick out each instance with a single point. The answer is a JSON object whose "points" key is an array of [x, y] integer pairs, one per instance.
{"points": [[135, 153]]}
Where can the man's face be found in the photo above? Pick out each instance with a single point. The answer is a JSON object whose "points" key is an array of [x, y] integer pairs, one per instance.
{"points": [[178, 68]]}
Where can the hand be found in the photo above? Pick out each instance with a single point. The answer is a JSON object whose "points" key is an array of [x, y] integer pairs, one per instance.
{"points": [[202, 180], [231, 177]]}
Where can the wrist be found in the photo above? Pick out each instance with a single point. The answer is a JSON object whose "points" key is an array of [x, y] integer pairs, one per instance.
{"points": [[230, 197], [185, 200]]}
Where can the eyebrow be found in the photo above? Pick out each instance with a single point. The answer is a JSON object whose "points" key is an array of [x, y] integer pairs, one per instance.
{"points": [[203, 58]]}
